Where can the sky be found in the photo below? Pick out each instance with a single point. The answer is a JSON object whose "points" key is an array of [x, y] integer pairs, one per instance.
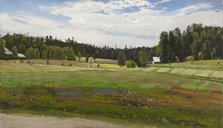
{"points": [[106, 22]]}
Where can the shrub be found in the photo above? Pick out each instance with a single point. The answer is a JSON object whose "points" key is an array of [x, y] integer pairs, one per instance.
{"points": [[91, 62], [189, 58], [87, 57], [131, 64], [47, 62], [73, 58]]}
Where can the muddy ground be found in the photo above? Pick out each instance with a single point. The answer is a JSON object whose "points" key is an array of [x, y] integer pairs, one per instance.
{"points": [[34, 121]]}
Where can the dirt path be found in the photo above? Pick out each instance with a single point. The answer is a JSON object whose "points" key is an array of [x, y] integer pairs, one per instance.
{"points": [[33, 121]]}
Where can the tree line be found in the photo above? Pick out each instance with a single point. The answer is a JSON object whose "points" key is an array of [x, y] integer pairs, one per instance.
{"points": [[53, 48], [197, 41], [140, 60]]}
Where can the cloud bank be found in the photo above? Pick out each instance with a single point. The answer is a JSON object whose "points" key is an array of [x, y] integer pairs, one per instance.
{"points": [[120, 22]]}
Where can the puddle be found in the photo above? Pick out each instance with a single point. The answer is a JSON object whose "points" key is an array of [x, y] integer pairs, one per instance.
{"points": [[110, 91], [71, 94]]}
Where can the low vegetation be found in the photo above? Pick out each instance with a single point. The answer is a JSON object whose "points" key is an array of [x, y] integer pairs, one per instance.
{"points": [[138, 95], [131, 64]]}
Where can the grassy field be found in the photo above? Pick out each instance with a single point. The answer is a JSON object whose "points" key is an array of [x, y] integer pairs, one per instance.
{"points": [[216, 65], [206, 68], [157, 95], [105, 61], [203, 68]]}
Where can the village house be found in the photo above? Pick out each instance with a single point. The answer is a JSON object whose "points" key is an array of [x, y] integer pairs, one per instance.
{"points": [[8, 52], [20, 55], [156, 60]]}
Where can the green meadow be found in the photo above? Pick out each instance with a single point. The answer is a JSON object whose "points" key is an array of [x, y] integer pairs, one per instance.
{"points": [[160, 95]]}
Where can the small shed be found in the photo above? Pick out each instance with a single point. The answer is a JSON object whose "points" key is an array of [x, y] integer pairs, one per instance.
{"points": [[156, 60], [7, 52], [20, 55]]}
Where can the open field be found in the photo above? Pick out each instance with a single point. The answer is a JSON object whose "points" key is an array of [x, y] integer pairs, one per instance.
{"points": [[45, 62], [208, 69], [204, 68], [153, 96], [201, 64], [105, 61]]}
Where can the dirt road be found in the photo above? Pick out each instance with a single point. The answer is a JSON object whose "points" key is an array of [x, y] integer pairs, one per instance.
{"points": [[33, 121]]}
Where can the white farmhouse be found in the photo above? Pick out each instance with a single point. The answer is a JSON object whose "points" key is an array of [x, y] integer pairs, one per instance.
{"points": [[156, 60]]}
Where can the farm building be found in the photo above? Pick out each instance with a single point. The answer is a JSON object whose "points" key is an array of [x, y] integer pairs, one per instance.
{"points": [[20, 55], [7, 52], [156, 60]]}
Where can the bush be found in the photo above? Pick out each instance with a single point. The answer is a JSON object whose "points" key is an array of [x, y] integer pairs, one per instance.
{"points": [[73, 58], [131, 64], [121, 58], [47, 62], [189, 58]]}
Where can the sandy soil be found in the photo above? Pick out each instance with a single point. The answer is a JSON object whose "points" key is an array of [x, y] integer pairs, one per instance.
{"points": [[33, 121]]}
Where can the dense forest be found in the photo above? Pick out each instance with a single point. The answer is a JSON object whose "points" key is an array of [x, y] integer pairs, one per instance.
{"points": [[197, 41], [53, 48]]}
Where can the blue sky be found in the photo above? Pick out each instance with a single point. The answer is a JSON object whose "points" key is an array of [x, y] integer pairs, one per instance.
{"points": [[107, 22]]}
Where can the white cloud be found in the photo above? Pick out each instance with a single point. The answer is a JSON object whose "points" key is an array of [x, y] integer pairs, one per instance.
{"points": [[193, 8], [128, 3], [163, 1], [25, 23], [86, 24]]}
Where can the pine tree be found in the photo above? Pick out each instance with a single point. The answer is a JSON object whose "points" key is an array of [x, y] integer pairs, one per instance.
{"points": [[143, 57], [14, 51], [2, 46], [121, 58], [79, 56]]}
